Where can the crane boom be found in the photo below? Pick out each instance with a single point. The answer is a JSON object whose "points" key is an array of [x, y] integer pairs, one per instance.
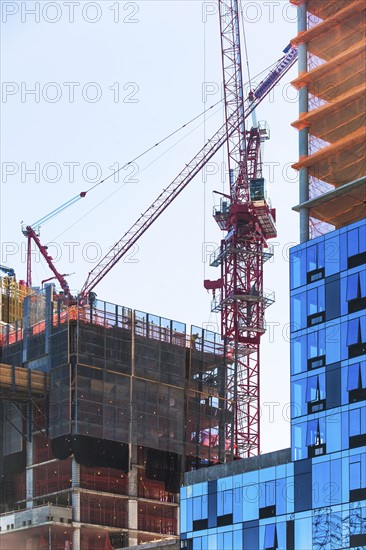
{"points": [[186, 175], [169, 194], [31, 234]]}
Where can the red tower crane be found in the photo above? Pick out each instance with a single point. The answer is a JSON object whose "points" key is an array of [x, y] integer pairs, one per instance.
{"points": [[248, 222], [244, 215]]}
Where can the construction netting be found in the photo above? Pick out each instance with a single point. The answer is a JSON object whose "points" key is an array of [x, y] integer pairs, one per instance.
{"points": [[60, 537], [335, 83]]}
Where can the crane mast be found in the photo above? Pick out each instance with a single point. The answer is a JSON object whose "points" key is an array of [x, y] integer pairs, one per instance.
{"points": [[247, 224]]}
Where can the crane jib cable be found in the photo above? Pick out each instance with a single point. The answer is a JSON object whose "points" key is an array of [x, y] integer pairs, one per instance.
{"points": [[83, 194]]}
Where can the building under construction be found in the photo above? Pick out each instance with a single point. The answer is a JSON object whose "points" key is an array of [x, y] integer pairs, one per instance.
{"points": [[110, 406]]}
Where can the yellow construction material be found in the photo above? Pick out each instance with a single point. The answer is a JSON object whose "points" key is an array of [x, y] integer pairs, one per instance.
{"points": [[20, 383], [12, 295]]}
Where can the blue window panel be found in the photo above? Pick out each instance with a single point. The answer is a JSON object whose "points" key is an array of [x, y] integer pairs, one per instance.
{"points": [[303, 534], [311, 258], [332, 255], [353, 332], [237, 540], [355, 473], [267, 494], [298, 311], [362, 238], [197, 543], [313, 433], [199, 489], [356, 376], [298, 441], [251, 494], [281, 534], [197, 508], [284, 493], [212, 542], [224, 503], [315, 390], [189, 523], [251, 537], [315, 256], [183, 516], [332, 300], [228, 540], [204, 506], [298, 401], [333, 343], [333, 386], [238, 505], [344, 382], [270, 536], [315, 300], [225, 484], [334, 432], [336, 481], [302, 492], [353, 242], [220, 540], [316, 343], [267, 474], [321, 484], [299, 354], [357, 421], [297, 267], [345, 430], [356, 286], [204, 541], [343, 252]]}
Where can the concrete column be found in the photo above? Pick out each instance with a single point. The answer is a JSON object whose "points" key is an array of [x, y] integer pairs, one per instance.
{"points": [[303, 134], [29, 474], [75, 476], [132, 497]]}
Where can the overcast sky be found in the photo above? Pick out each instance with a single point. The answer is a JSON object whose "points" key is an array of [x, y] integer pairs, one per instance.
{"points": [[88, 86]]}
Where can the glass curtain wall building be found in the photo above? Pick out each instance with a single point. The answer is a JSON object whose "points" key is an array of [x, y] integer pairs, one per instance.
{"points": [[311, 496]]}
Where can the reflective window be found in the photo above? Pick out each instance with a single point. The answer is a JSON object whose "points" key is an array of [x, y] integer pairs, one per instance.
{"points": [[315, 437], [356, 382], [315, 390], [316, 349], [333, 343], [270, 537], [299, 354], [356, 336], [357, 471], [332, 255], [297, 268], [357, 422], [315, 393]]}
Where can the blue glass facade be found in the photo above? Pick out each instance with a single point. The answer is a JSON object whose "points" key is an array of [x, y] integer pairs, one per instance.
{"points": [[311, 496]]}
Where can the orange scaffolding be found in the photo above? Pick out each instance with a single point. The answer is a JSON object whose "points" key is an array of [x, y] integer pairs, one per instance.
{"points": [[336, 112]]}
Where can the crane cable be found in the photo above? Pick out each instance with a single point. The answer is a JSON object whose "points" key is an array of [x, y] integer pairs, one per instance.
{"points": [[81, 195], [245, 46]]}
